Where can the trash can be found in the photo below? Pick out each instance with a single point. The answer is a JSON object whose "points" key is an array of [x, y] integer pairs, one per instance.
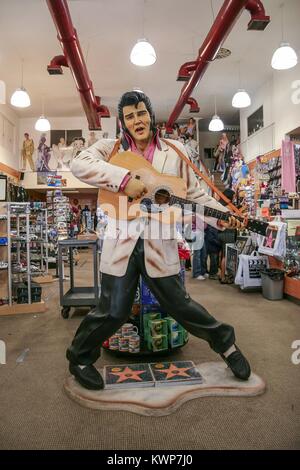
{"points": [[272, 283]]}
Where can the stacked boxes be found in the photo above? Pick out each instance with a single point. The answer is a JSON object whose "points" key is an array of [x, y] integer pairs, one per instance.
{"points": [[155, 331], [176, 333], [20, 291], [160, 332]]}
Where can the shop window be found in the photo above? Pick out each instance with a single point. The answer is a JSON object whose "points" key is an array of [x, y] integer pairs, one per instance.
{"points": [[256, 121]]}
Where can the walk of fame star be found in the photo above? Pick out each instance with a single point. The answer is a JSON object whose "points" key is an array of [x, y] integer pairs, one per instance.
{"points": [[172, 371], [128, 373]]}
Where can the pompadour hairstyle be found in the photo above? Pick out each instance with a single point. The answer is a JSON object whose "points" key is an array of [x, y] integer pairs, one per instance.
{"points": [[132, 98]]}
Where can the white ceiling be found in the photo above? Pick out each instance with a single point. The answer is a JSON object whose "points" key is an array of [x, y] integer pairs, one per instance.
{"points": [[107, 30]]}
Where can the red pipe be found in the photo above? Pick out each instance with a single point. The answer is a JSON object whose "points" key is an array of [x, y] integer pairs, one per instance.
{"points": [[194, 107], [68, 39], [56, 64], [259, 20], [186, 71], [224, 22]]}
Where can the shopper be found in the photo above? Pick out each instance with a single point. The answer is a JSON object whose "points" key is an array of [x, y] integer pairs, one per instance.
{"points": [[213, 248], [129, 251], [227, 236], [194, 235], [219, 153], [191, 128]]}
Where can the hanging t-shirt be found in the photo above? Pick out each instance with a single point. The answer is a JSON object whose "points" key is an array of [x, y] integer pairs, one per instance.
{"points": [[288, 170]]}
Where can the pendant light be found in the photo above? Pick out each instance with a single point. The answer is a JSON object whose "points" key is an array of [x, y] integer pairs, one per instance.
{"points": [[42, 124], [143, 53], [284, 57], [20, 98], [2, 92], [241, 99], [216, 124]]}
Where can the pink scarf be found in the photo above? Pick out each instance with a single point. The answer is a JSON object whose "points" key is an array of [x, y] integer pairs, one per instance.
{"points": [[149, 151]]}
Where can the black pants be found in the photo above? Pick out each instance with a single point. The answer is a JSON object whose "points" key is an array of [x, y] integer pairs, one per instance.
{"points": [[214, 263], [117, 296]]}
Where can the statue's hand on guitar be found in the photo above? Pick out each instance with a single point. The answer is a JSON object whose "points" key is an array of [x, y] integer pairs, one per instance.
{"points": [[231, 223], [135, 188]]}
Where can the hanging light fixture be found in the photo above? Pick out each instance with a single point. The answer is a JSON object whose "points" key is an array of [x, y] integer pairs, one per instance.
{"points": [[20, 98], [284, 57], [241, 99], [42, 124], [143, 53], [216, 124], [2, 92]]}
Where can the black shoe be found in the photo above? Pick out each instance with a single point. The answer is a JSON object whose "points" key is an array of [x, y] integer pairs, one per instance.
{"points": [[88, 377], [239, 365]]}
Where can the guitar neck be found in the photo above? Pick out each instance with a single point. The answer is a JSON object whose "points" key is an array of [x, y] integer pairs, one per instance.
{"points": [[208, 211], [253, 225]]}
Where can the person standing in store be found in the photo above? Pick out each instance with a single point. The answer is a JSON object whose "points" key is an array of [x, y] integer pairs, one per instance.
{"points": [[227, 236], [191, 128], [134, 249], [27, 152]]}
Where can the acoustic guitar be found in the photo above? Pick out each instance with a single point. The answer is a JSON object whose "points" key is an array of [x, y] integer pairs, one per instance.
{"points": [[165, 199]]}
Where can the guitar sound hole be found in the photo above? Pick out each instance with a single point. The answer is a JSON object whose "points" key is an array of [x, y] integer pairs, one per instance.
{"points": [[162, 196]]}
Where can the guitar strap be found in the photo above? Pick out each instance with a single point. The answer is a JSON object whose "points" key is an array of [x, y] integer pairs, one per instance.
{"points": [[205, 178]]}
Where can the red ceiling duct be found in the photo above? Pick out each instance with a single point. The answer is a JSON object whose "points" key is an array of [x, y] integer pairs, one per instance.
{"points": [[259, 21], [73, 58], [193, 71], [194, 107], [56, 64], [186, 71]]}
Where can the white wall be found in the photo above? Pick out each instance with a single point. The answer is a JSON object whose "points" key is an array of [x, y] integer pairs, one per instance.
{"points": [[280, 97], [57, 123], [9, 137], [208, 140], [286, 102]]}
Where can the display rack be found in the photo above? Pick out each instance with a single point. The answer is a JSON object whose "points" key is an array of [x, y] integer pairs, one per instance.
{"points": [[18, 245], [3, 255], [58, 210], [39, 242]]}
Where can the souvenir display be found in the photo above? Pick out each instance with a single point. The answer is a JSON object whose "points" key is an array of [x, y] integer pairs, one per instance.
{"points": [[59, 217]]}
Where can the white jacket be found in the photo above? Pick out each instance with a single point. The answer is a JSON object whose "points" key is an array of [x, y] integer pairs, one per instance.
{"points": [[161, 253]]}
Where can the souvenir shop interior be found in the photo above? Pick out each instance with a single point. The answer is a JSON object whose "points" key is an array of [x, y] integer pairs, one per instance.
{"points": [[237, 121]]}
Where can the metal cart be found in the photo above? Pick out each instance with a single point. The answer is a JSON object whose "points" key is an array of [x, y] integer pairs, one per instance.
{"points": [[77, 296]]}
